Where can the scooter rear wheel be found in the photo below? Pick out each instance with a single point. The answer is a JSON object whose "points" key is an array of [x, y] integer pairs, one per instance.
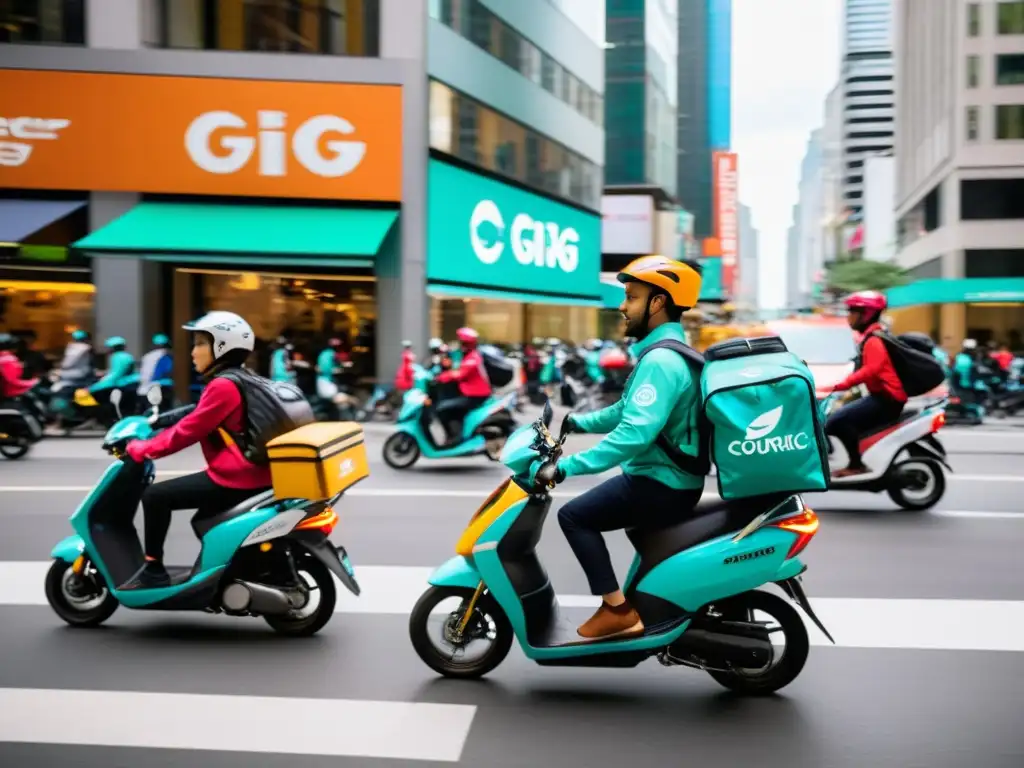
{"points": [[15, 450], [488, 619], [297, 624], [401, 451], [918, 472], [784, 669], [86, 610]]}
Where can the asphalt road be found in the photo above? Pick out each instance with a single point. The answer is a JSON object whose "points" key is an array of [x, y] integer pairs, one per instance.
{"points": [[927, 610]]}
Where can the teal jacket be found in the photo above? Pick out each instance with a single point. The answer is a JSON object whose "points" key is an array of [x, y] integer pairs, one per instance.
{"points": [[327, 365], [662, 397]]}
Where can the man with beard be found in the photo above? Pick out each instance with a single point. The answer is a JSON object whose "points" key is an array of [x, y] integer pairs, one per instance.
{"points": [[661, 397]]}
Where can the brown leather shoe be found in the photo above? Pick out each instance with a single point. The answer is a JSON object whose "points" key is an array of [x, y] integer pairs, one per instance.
{"points": [[608, 622], [851, 472]]}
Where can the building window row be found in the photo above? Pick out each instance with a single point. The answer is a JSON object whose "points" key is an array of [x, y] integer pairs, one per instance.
{"points": [[331, 27], [57, 22], [475, 22], [471, 131], [1009, 18], [1009, 70]]}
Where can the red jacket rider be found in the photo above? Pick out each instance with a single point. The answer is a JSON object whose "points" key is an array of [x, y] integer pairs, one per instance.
{"points": [[471, 373], [11, 383]]}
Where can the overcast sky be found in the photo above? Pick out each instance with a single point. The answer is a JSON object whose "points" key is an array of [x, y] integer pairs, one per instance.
{"points": [[785, 61]]}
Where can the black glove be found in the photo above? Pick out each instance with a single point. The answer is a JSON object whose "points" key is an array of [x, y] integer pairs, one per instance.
{"points": [[568, 425], [550, 474]]}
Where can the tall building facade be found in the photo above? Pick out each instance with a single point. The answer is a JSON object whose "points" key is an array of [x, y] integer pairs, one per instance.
{"points": [[747, 285], [377, 170], [807, 254], [641, 93], [868, 99], [959, 172], [704, 121]]}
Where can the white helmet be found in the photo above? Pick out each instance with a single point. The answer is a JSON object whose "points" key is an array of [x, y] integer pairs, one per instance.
{"points": [[229, 331]]}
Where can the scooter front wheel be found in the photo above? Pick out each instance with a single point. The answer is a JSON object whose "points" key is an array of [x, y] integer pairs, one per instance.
{"points": [[444, 645], [401, 451], [81, 601]]}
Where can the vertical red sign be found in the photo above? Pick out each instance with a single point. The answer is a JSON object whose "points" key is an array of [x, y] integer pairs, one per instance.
{"points": [[726, 215]]}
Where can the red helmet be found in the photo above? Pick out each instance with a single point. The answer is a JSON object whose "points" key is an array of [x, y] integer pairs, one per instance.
{"points": [[870, 300], [467, 336]]}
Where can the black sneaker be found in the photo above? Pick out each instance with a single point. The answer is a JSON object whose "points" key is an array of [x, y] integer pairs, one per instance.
{"points": [[152, 575]]}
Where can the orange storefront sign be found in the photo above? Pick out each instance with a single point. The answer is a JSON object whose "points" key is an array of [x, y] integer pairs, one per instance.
{"points": [[204, 136]]}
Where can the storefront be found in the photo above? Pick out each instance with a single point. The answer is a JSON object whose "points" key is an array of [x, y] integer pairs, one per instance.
{"points": [[46, 291], [510, 263], [278, 200], [985, 309]]}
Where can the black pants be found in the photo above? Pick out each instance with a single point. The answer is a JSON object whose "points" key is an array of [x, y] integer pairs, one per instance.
{"points": [[621, 502], [197, 492], [858, 418], [452, 411]]}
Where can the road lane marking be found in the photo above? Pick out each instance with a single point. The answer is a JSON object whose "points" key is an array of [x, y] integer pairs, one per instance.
{"points": [[957, 625], [331, 727]]}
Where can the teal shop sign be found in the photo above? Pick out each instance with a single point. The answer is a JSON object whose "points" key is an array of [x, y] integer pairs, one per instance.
{"points": [[981, 290], [711, 279], [485, 234]]}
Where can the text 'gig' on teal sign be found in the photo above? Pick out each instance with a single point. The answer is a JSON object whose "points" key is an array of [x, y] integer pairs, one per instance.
{"points": [[485, 233]]}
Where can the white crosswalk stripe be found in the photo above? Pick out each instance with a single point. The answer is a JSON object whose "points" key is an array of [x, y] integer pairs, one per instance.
{"points": [[954, 625]]}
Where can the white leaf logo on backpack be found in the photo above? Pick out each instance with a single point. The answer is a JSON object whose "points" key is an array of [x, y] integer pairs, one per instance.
{"points": [[764, 424], [756, 441]]}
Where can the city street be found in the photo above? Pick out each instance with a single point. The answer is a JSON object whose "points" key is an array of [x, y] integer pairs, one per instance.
{"points": [[927, 610]]}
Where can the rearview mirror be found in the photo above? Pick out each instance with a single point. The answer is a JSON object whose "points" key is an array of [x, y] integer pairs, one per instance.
{"points": [[155, 396], [115, 397], [548, 414]]}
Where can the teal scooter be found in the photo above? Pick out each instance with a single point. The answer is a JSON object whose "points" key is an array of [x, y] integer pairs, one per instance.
{"points": [[484, 429], [696, 586], [265, 557]]}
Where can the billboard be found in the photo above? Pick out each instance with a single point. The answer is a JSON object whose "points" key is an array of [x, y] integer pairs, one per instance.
{"points": [[720, 74], [627, 224], [725, 191]]}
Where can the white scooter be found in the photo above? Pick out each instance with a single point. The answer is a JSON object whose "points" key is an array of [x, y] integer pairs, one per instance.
{"points": [[906, 459]]}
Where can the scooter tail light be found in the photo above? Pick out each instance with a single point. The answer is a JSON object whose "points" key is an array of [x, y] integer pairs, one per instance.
{"points": [[325, 522], [804, 525], [938, 421]]}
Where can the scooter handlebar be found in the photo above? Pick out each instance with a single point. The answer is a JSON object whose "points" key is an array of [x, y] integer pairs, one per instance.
{"points": [[171, 417]]}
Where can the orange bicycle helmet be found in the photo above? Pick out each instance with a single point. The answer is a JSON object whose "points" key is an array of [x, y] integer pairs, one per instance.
{"points": [[680, 281]]}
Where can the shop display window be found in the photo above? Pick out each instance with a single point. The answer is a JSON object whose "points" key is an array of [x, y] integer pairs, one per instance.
{"points": [[307, 309], [51, 311]]}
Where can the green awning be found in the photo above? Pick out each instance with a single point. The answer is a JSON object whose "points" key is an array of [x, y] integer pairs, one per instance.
{"points": [[218, 233], [971, 290], [446, 291], [612, 294]]}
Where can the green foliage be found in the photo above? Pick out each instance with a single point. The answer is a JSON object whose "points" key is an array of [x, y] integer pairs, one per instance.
{"points": [[864, 275]]}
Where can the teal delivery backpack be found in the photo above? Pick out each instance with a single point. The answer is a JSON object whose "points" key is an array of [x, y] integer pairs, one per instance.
{"points": [[759, 421], [766, 430]]}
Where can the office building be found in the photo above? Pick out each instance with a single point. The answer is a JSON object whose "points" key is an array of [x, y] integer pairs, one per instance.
{"points": [[704, 120], [866, 74], [640, 98], [377, 170], [747, 285], [960, 169], [807, 250]]}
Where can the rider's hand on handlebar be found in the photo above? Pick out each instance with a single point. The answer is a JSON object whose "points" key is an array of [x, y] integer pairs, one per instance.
{"points": [[568, 426], [549, 475]]}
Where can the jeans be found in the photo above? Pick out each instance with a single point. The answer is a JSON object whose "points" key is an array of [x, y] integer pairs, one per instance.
{"points": [[197, 492], [622, 502], [860, 418]]}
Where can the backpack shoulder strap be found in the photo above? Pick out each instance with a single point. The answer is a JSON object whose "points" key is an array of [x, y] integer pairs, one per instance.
{"points": [[700, 464]]}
